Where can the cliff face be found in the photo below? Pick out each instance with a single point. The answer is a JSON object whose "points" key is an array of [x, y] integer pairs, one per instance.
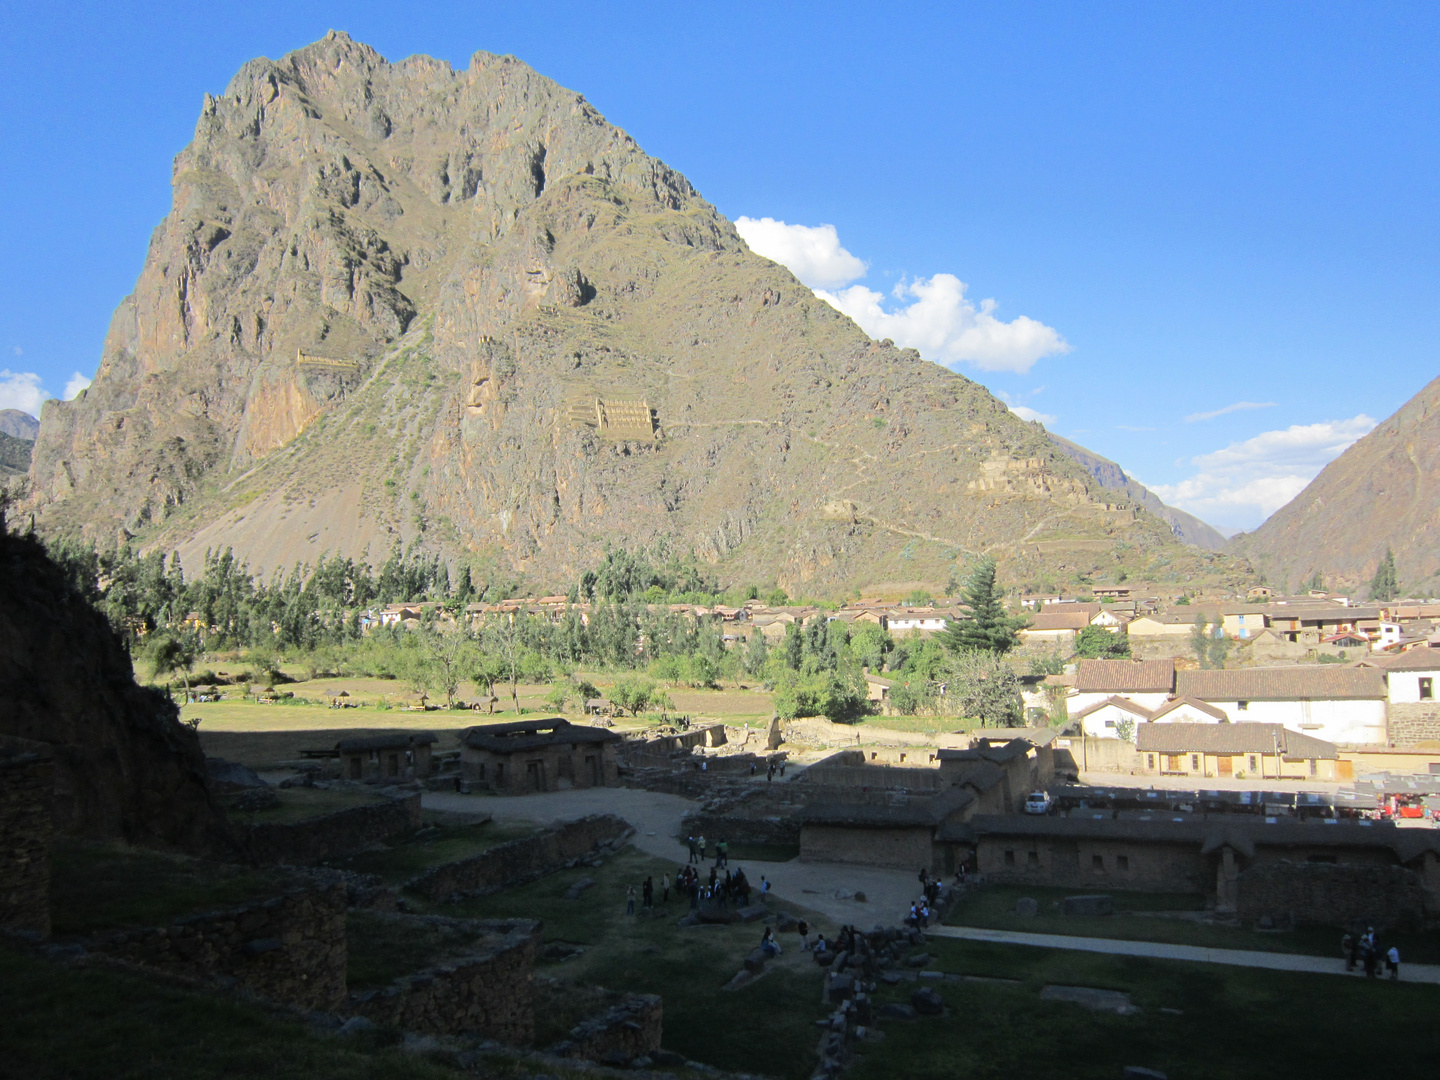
{"points": [[1384, 491], [125, 767], [1107, 474], [398, 303]]}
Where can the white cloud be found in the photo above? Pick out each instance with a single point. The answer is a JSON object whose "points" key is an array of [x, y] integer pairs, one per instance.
{"points": [[21, 390], [1248, 481], [938, 320], [18, 351], [812, 253], [76, 383], [1024, 412], [1239, 406], [948, 327]]}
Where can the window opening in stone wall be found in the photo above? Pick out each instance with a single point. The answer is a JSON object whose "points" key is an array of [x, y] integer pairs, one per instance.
{"points": [[1097, 863], [1032, 858], [1009, 858], [355, 768], [1427, 689], [1122, 863]]}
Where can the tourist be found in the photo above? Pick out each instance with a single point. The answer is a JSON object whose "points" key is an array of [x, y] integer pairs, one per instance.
{"points": [[701, 842], [803, 929], [913, 919], [1392, 962], [648, 890], [768, 944], [722, 853], [924, 916], [752, 765], [630, 900], [764, 889], [665, 888], [820, 947], [690, 841], [770, 772]]}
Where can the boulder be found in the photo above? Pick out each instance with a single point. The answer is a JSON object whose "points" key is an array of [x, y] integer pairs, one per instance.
{"points": [[919, 960], [578, 887], [755, 962], [1100, 904], [1027, 907], [751, 913], [785, 922], [928, 1002]]}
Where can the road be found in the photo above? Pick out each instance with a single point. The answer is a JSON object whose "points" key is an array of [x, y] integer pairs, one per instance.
{"points": [[826, 888], [1319, 965]]}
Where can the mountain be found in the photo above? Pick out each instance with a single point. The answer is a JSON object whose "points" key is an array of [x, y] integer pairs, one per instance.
{"points": [[1382, 492], [400, 304], [14, 455], [18, 425], [1107, 474]]}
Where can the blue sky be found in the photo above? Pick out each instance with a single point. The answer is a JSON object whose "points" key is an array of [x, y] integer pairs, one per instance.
{"points": [[1195, 206]]}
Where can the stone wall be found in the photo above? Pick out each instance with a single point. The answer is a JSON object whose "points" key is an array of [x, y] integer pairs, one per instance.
{"points": [[1094, 865], [525, 859], [27, 782], [742, 828], [1412, 723], [899, 848], [892, 777], [289, 949], [302, 843], [619, 1035], [1345, 894], [488, 992]]}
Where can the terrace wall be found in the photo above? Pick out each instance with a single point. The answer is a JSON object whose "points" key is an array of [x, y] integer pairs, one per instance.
{"points": [[525, 859], [289, 949], [1334, 894], [620, 1034], [1412, 723], [27, 784], [314, 840]]}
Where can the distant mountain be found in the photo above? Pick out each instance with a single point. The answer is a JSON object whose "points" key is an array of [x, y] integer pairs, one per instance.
{"points": [[14, 455], [1185, 526], [1383, 492], [405, 305], [18, 425]]}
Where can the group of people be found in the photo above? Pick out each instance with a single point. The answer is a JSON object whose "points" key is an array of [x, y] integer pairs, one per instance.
{"points": [[1363, 950], [923, 909], [697, 850]]}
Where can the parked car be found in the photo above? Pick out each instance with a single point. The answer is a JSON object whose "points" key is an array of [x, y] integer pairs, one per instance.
{"points": [[1038, 802]]}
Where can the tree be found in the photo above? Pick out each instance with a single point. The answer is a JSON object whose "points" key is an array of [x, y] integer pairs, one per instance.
{"points": [[632, 694], [1200, 640], [756, 653], [988, 627], [171, 653], [1384, 586], [448, 657], [1125, 728], [1098, 643], [487, 669], [984, 687], [559, 694]]}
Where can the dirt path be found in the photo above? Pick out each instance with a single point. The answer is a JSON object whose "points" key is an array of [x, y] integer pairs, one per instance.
{"points": [[826, 888], [1320, 965]]}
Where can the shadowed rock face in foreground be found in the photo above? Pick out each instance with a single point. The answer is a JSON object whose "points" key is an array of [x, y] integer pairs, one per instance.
{"points": [[124, 765], [400, 302]]}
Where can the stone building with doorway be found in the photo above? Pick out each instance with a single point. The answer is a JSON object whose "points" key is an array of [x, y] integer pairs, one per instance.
{"points": [[394, 756], [538, 755]]}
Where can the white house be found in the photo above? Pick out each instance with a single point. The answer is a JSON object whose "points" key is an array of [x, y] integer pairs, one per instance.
{"points": [[1345, 705], [916, 621], [1184, 710], [1055, 628], [1107, 719], [1410, 677], [1147, 683]]}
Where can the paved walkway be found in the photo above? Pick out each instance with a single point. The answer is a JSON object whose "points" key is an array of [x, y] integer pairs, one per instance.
{"points": [[1320, 965], [827, 888]]}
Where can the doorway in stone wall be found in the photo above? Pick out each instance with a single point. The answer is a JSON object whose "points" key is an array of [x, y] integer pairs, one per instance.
{"points": [[1223, 766], [535, 775]]}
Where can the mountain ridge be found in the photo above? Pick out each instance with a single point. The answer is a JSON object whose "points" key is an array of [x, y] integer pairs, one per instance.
{"points": [[400, 304]]}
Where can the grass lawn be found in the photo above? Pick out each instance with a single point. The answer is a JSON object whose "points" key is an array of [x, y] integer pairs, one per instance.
{"points": [[64, 1024], [1232, 1022], [993, 907], [407, 857], [100, 886], [764, 1028]]}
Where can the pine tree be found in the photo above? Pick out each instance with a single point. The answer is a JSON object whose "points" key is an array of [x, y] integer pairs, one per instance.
{"points": [[1384, 586], [988, 628]]}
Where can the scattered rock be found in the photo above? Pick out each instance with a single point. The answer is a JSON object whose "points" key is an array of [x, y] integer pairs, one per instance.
{"points": [[785, 922], [1027, 907], [932, 974], [919, 960], [254, 799], [751, 913], [891, 978], [1091, 998], [928, 1002], [355, 1025], [859, 897]]}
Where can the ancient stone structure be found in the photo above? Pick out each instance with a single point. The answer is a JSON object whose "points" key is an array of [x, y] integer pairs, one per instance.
{"points": [[316, 839], [538, 755], [289, 949], [622, 1033], [392, 757], [1333, 894], [525, 859], [613, 419], [487, 991], [27, 781], [1413, 723]]}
